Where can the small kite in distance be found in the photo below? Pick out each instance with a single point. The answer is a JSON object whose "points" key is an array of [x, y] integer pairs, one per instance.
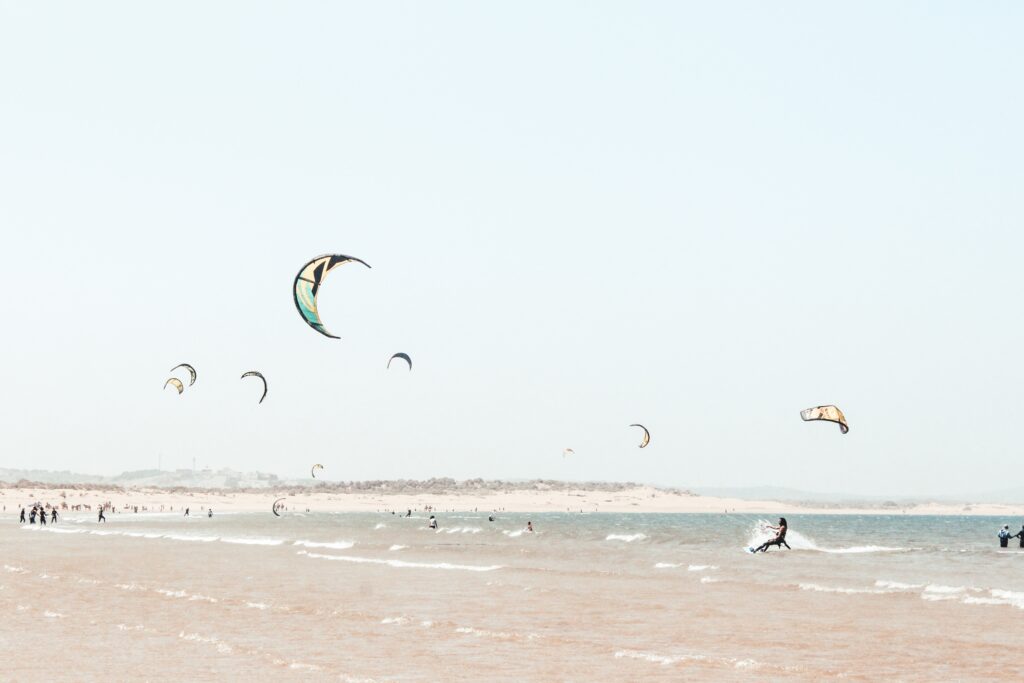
{"points": [[274, 507], [253, 373], [307, 285], [176, 383], [568, 451], [191, 372], [826, 413], [647, 435], [314, 468], [403, 356]]}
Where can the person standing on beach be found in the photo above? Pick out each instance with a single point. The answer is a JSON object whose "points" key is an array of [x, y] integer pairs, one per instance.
{"points": [[42, 516], [1004, 536], [32, 515], [53, 516], [22, 519]]}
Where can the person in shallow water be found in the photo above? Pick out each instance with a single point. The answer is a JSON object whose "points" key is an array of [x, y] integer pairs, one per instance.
{"points": [[432, 523], [101, 517], [53, 516], [1004, 536], [529, 526], [186, 512], [780, 537]]}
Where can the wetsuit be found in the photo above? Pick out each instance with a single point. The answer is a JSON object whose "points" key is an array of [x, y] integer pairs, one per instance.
{"points": [[22, 520]]}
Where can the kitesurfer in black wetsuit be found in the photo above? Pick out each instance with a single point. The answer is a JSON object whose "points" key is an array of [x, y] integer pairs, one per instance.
{"points": [[780, 537]]}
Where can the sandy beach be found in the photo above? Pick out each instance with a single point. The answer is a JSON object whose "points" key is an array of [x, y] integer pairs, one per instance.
{"points": [[643, 499]]}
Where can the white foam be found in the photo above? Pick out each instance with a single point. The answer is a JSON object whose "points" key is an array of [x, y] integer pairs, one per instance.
{"points": [[841, 589], [701, 567], [658, 659], [1009, 597], [251, 541], [513, 534], [53, 615], [462, 530], [401, 621], [14, 570], [381, 525], [337, 545], [628, 538], [402, 564], [193, 539], [896, 585], [709, 579], [666, 565], [938, 588], [497, 635], [257, 605], [171, 594], [935, 597], [398, 547]]}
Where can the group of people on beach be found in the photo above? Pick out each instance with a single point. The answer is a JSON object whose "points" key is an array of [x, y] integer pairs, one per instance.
{"points": [[1005, 536], [40, 512]]}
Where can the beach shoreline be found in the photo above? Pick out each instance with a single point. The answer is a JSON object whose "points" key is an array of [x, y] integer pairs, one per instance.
{"points": [[639, 499]]}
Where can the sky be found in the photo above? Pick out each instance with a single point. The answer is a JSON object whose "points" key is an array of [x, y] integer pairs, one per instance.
{"points": [[699, 216]]}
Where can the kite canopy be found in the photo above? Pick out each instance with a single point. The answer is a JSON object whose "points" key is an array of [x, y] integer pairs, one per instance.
{"points": [[403, 356], [314, 468], [647, 435], [568, 451], [191, 372], [176, 383], [274, 507], [307, 285], [827, 414], [253, 373]]}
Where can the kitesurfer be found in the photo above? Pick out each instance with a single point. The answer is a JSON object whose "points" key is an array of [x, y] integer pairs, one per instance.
{"points": [[408, 513], [1004, 536], [432, 523], [529, 526], [780, 537]]}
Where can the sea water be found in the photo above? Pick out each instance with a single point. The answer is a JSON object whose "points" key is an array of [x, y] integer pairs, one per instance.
{"points": [[374, 597]]}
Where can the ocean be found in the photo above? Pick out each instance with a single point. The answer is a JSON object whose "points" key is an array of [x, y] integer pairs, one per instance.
{"points": [[586, 597]]}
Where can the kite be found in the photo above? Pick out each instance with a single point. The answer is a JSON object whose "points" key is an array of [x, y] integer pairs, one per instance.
{"points": [[307, 285], [191, 372], [313, 469], [274, 508], [253, 373], [647, 435], [567, 451], [176, 383], [826, 413], [403, 356]]}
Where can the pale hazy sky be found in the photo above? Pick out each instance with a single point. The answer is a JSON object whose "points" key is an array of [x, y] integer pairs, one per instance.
{"points": [[699, 216]]}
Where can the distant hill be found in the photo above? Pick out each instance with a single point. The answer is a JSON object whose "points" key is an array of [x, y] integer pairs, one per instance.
{"points": [[788, 495]]}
